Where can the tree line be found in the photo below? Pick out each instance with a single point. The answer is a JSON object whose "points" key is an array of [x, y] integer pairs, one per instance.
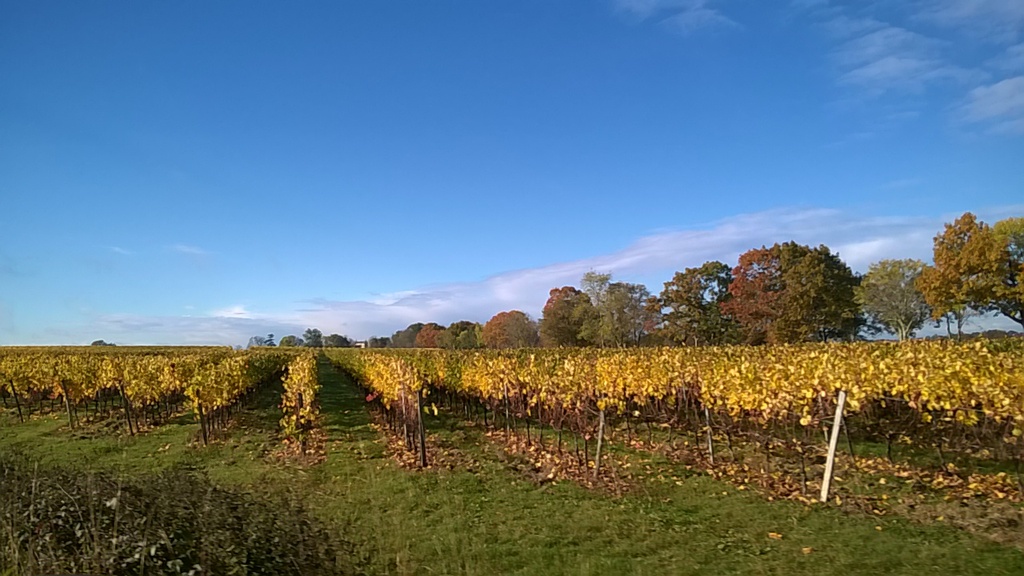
{"points": [[311, 338], [783, 294]]}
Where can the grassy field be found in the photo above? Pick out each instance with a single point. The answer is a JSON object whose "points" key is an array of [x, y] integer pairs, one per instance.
{"points": [[485, 516]]}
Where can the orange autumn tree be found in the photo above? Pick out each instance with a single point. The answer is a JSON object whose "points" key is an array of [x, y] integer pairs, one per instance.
{"points": [[793, 293], [428, 335], [963, 279], [511, 329]]}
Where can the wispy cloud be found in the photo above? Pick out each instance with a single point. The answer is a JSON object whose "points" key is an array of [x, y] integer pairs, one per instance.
{"points": [[991, 20], [881, 58], [683, 16], [189, 249], [121, 251], [1000, 106], [1012, 60]]}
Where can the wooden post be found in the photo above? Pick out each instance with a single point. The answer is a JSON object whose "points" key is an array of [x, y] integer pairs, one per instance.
{"points": [[600, 441], [202, 423], [506, 408], [127, 409], [67, 405], [711, 442], [17, 402], [422, 429], [833, 441]]}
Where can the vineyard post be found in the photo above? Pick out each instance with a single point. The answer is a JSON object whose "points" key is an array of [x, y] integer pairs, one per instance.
{"points": [[506, 408], [405, 422], [833, 441], [202, 422], [422, 429], [17, 402], [711, 442], [600, 441], [127, 409], [67, 404]]}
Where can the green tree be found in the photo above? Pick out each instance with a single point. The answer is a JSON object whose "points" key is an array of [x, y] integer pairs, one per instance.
{"points": [[256, 341], [379, 342], [691, 307], [406, 338], [1008, 293], [337, 341], [290, 340], [313, 338], [890, 299], [620, 314], [461, 335]]}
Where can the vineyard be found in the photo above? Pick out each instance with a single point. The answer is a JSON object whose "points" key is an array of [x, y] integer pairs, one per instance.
{"points": [[525, 461], [147, 386], [964, 403]]}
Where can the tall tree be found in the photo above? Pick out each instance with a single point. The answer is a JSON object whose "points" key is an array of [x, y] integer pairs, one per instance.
{"points": [[969, 263], [793, 293], [461, 335], [379, 342], [512, 329], [428, 336], [1008, 297], [819, 301], [337, 341], [627, 314], [313, 338], [620, 315], [290, 340], [406, 338], [256, 341], [691, 306], [563, 317], [755, 293], [269, 340], [889, 297]]}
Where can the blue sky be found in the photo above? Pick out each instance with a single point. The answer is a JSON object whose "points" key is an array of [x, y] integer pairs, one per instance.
{"points": [[198, 172]]}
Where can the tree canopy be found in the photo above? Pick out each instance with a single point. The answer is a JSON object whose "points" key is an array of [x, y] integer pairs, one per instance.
{"points": [[511, 329], [890, 299], [691, 307]]}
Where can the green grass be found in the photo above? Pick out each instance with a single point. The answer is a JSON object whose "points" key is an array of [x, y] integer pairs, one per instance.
{"points": [[494, 520]]}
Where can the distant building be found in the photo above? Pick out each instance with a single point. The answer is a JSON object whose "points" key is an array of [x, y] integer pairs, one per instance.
{"points": [[359, 344]]}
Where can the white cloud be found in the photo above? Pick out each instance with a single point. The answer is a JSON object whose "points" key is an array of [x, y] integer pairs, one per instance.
{"points": [[237, 311], [121, 251], [1000, 105]]}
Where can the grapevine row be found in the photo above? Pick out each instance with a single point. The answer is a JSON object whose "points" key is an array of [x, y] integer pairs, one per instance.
{"points": [[941, 394]]}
